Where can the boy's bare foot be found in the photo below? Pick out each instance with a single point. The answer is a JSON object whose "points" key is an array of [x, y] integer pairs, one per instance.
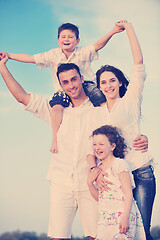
{"points": [[54, 147]]}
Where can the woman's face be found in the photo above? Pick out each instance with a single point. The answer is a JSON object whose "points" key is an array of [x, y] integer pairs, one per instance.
{"points": [[109, 85]]}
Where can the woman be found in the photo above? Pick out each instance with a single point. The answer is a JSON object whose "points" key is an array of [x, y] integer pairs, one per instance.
{"points": [[122, 109]]}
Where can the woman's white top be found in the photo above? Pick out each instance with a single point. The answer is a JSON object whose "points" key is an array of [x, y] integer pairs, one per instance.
{"points": [[125, 114]]}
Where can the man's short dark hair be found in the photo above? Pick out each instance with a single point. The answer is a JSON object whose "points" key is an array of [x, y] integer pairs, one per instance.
{"points": [[66, 67], [69, 26]]}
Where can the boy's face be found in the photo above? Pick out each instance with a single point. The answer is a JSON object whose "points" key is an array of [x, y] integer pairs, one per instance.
{"points": [[71, 83], [67, 40]]}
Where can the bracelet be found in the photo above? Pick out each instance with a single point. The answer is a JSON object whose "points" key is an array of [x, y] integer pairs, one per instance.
{"points": [[93, 167]]}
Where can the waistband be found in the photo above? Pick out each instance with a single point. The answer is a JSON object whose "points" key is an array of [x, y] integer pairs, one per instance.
{"points": [[142, 169]]}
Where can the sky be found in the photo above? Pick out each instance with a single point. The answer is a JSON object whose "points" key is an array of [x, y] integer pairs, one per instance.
{"points": [[30, 26]]}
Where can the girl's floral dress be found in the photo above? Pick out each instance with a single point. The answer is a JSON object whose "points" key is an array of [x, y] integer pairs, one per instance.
{"points": [[111, 208]]}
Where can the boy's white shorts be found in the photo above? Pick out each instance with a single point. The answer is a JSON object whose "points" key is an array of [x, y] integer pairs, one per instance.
{"points": [[63, 206]]}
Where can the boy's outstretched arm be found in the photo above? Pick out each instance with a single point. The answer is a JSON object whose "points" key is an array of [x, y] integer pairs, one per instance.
{"points": [[14, 87], [21, 57], [104, 40]]}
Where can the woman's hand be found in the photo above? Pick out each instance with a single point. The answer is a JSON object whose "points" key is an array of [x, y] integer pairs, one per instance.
{"points": [[121, 24], [141, 143]]}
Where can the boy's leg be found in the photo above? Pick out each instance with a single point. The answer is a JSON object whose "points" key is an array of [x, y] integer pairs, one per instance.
{"points": [[95, 94], [56, 119], [58, 102]]}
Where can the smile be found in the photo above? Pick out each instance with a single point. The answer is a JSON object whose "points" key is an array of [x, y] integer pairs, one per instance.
{"points": [[99, 153], [73, 91], [110, 91]]}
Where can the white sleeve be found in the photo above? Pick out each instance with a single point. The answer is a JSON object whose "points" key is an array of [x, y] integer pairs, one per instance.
{"points": [[88, 53], [136, 84], [45, 59], [39, 106], [95, 122], [120, 166], [90, 146]]}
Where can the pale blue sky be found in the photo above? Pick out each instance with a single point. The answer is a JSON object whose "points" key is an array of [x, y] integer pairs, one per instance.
{"points": [[30, 26]]}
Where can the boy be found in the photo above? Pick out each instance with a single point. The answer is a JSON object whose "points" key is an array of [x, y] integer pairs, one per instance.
{"points": [[68, 40]]}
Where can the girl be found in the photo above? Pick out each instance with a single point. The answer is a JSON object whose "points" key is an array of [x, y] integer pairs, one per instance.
{"points": [[118, 215], [122, 109]]}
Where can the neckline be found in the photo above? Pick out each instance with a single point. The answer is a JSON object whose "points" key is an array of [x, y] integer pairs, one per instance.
{"points": [[114, 105], [109, 166]]}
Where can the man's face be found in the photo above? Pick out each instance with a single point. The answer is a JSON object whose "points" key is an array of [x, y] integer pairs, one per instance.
{"points": [[71, 83]]}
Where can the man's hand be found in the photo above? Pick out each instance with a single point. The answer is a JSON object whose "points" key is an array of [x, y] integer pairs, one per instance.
{"points": [[102, 182], [92, 175], [3, 57], [141, 143]]}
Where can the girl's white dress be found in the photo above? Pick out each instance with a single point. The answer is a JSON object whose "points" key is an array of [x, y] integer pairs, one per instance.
{"points": [[111, 208]]}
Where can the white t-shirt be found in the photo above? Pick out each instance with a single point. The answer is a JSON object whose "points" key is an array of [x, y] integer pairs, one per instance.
{"points": [[82, 57], [68, 167]]}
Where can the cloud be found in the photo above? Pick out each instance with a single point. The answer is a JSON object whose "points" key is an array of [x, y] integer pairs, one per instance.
{"points": [[5, 94], [6, 110]]}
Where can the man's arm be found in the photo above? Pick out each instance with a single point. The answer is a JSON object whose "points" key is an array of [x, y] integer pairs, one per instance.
{"points": [[14, 87], [19, 57], [104, 40]]}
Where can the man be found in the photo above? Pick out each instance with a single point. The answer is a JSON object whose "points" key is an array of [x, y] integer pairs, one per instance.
{"points": [[68, 168]]}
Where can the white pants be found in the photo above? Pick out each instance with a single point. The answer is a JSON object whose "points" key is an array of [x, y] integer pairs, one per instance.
{"points": [[63, 206]]}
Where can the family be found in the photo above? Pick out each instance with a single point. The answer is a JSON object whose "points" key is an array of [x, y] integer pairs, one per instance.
{"points": [[100, 164]]}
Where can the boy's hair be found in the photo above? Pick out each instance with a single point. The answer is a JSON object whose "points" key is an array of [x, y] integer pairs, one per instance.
{"points": [[114, 136], [118, 73], [69, 26], [66, 67]]}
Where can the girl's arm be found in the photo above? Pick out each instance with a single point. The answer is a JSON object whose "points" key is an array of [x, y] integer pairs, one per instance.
{"points": [[19, 57], [135, 46], [92, 176], [104, 40], [127, 190]]}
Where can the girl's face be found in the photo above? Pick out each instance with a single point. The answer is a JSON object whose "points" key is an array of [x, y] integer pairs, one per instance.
{"points": [[67, 40], [102, 146], [109, 85]]}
